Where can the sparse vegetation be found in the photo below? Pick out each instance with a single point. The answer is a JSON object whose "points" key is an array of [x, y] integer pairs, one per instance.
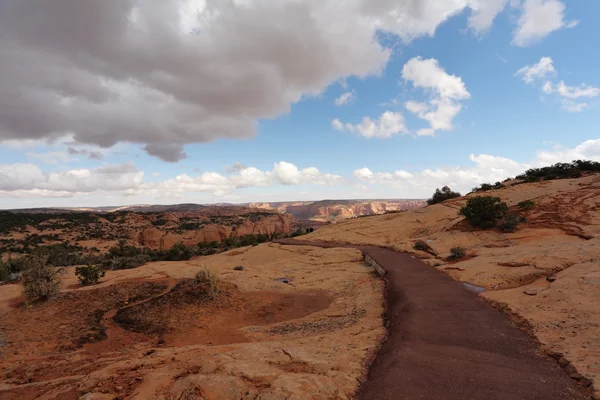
{"points": [[41, 280], [5, 272], [484, 211], [526, 204], [209, 281], [560, 171], [421, 245], [487, 186], [458, 252], [88, 275], [509, 223], [442, 195], [238, 268]]}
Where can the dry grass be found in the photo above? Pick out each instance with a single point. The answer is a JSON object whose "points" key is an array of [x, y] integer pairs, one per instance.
{"points": [[209, 281]]}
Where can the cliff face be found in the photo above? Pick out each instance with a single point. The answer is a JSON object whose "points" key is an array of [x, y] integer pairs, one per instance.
{"points": [[154, 230], [337, 210], [163, 239]]}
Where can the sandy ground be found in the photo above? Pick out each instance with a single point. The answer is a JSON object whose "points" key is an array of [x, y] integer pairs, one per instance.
{"points": [[559, 241], [296, 323]]}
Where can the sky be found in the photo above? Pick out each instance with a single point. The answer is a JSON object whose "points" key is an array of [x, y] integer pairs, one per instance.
{"points": [[209, 101]]}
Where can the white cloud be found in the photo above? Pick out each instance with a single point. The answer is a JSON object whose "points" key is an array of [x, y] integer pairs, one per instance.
{"points": [[52, 157], [337, 125], [447, 91], [531, 73], [223, 65], [547, 88], [403, 174], [289, 174], [18, 180], [427, 74], [416, 107], [538, 19], [426, 132], [485, 169], [588, 150], [252, 177], [575, 92], [366, 175], [566, 94], [484, 13], [106, 178], [345, 98], [387, 125], [574, 107]]}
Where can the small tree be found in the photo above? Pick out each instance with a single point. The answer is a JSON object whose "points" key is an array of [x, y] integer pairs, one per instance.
{"points": [[484, 211], [442, 195], [40, 280], [90, 274]]}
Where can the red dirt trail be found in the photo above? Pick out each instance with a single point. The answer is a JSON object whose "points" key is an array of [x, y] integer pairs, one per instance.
{"points": [[445, 343]]}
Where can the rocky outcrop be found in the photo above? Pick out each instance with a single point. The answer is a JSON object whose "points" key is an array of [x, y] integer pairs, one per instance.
{"points": [[162, 238], [337, 210]]}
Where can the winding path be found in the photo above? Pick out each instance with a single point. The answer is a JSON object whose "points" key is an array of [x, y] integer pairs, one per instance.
{"points": [[445, 343]]}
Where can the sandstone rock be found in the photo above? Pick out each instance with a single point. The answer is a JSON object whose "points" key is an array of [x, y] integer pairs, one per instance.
{"points": [[158, 239], [563, 362], [531, 292], [97, 396], [551, 278]]}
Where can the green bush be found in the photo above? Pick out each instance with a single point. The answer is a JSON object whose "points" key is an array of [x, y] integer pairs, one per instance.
{"points": [[487, 186], [442, 195], [560, 171], [89, 275], [40, 280], [458, 252], [126, 262], [421, 245], [509, 223], [4, 271], [209, 281], [526, 204], [484, 211]]}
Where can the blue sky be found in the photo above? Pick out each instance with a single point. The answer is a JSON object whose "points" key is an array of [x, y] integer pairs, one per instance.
{"points": [[211, 114]]}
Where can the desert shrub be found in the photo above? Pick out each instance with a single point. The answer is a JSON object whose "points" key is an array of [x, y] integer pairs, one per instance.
{"points": [[526, 204], [458, 252], [510, 223], [122, 249], [179, 252], [125, 262], [40, 279], [4, 271], [560, 171], [90, 274], [238, 268], [442, 195], [297, 232], [484, 211], [421, 245], [209, 281], [487, 186]]}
